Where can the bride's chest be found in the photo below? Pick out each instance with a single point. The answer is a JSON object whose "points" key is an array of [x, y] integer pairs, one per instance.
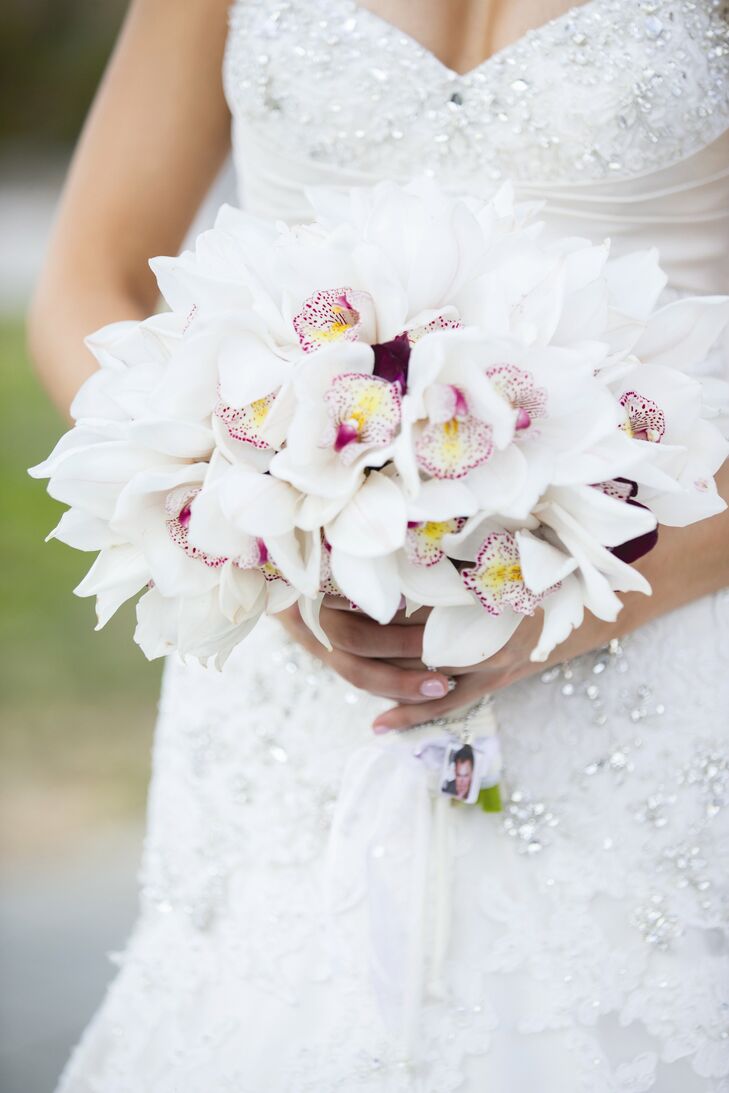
{"points": [[612, 88]]}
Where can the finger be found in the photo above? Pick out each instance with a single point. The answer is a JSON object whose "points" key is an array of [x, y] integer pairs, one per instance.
{"points": [[363, 636], [412, 664], [415, 664], [382, 679], [373, 676], [402, 717]]}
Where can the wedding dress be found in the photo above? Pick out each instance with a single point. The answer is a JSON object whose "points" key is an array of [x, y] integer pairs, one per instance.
{"points": [[310, 921]]}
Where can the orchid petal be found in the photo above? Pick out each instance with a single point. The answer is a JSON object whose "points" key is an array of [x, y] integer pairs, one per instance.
{"points": [[203, 631], [542, 565], [249, 367], [210, 530], [372, 583], [610, 521], [280, 596], [156, 630], [180, 439], [298, 555], [442, 500], [682, 333], [373, 522], [314, 512], [118, 573], [460, 636], [437, 585], [635, 281], [242, 592], [84, 532], [563, 612], [309, 610], [258, 504]]}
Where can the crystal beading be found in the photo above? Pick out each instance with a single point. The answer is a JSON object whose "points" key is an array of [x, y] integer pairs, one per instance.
{"points": [[611, 89]]}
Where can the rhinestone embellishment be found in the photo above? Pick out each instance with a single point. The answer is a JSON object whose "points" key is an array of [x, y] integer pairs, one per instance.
{"points": [[612, 88]]}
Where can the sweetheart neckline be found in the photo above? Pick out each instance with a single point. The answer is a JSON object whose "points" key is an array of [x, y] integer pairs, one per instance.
{"points": [[493, 58]]}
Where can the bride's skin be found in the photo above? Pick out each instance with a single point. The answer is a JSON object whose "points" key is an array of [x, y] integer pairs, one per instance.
{"points": [[156, 136]]}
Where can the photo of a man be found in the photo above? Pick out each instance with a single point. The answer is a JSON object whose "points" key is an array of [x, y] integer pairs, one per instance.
{"points": [[459, 781]]}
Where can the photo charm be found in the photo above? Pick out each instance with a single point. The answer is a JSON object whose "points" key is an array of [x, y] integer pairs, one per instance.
{"points": [[465, 769]]}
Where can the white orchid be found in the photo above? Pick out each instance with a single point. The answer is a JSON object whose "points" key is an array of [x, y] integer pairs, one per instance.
{"points": [[415, 400], [500, 597]]}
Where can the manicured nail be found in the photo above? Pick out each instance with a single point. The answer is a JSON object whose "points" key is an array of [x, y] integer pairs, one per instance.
{"points": [[433, 688], [380, 727]]}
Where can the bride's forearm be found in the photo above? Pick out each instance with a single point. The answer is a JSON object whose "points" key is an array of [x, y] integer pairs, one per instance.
{"points": [[153, 142], [685, 564]]}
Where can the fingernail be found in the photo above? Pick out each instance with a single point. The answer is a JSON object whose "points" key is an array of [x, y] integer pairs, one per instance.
{"points": [[433, 688], [380, 727]]}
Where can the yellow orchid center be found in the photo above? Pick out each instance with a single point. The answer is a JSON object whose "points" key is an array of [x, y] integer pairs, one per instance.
{"points": [[497, 579], [259, 411]]}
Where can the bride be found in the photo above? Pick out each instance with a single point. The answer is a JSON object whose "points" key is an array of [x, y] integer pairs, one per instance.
{"points": [[301, 929]]}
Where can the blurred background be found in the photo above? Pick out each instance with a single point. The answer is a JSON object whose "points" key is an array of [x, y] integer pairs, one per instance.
{"points": [[76, 707]]}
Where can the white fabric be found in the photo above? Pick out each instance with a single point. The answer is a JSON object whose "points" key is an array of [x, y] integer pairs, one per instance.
{"points": [[576, 941]]}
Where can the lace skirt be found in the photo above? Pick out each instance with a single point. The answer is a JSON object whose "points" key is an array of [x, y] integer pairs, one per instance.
{"points": [[574, 941]]}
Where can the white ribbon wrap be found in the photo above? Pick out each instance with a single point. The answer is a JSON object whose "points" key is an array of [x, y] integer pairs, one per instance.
{"points": [[390, 847]]}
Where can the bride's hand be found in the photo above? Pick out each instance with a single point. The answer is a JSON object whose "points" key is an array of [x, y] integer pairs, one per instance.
{"points": [[508, 665], [383, 660]]}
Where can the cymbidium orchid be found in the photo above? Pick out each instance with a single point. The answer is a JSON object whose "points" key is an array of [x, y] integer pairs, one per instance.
{"points": [[511, 575], [418, 399], [664, 416]]}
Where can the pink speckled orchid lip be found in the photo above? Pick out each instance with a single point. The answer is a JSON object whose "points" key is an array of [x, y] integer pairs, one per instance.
{"points": [[327, 585], [496, 578], [331, 315], [178, 507], [364, 412], [518, 387], [244, 423], [258, 556], [456, 442], [440, 322], [645, 420], [178, 511], [622, 489], [423, 539]]}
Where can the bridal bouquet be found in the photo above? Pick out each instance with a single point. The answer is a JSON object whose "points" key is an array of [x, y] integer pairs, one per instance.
{"points": [[416, 400]]}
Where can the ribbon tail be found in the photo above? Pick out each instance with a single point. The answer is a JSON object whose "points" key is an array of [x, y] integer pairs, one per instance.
{"points": [[416, 939], [441, 896], [378, 855]]}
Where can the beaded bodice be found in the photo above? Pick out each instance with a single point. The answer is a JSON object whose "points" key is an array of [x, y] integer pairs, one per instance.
{"points": [[612, 89]]}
